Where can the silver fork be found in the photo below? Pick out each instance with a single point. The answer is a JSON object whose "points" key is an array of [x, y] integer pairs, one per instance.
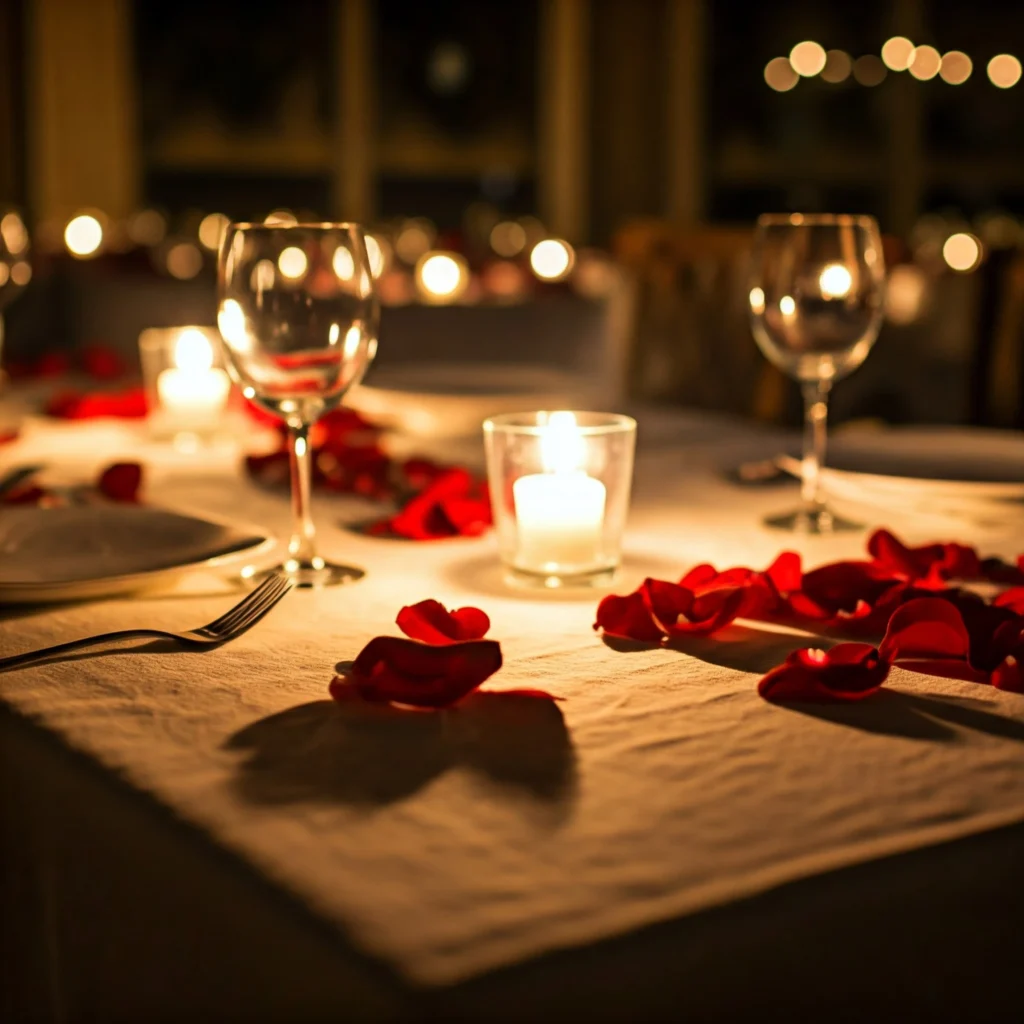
{"points": [[232, 623]]}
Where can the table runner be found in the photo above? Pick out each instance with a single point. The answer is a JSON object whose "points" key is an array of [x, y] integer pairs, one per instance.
{"points": [[448, 845]]}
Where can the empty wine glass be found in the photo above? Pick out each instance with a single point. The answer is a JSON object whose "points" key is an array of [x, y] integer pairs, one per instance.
{"points": [[816, 290], [298, 314]]}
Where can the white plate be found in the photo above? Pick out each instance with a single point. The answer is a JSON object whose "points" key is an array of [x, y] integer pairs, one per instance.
{"points": [[66, 554], [938, 471], [452, 400]]}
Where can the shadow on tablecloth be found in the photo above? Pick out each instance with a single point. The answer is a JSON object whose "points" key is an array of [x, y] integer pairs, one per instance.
{"points": [[372, 755]]}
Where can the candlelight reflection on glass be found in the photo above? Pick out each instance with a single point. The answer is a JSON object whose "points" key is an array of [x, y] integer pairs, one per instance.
{"points": [[186, 390], [560, 484]]}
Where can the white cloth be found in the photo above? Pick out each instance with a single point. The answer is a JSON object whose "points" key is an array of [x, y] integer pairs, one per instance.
{"points": [[452, 843]]}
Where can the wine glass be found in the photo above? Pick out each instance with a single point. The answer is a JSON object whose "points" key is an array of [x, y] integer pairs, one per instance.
{"points": [[298, 314], [817, 286]]}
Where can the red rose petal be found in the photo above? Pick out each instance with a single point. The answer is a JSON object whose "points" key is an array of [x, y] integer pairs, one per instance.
{"points": [[1008, 675], [627, 617], [786, 572], [102, 361], [847, 672], [1012, 599], [432, 623], [927, 627], [407, 672], [121, 481]]}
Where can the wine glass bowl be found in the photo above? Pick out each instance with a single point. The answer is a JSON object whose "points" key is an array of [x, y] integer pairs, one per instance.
{"points": [[816, 296], [298, 315]]}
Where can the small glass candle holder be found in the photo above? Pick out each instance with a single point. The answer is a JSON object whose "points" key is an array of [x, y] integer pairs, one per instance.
{"points": [[560, 484], [187, 388]]}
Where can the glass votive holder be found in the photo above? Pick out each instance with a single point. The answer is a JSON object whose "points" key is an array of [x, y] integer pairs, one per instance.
{"points": [[560, 484], [187, 388]]}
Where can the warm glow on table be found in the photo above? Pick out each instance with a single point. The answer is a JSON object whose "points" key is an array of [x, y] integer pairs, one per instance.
{"points": [[194, 393]]}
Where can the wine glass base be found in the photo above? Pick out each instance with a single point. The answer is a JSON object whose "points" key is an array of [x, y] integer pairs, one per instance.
{"points": [[306, 576], [811, 521]]}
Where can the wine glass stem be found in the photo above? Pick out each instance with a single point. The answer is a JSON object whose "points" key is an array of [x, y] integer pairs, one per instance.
{"points": [[815, 429], [302, 546]]}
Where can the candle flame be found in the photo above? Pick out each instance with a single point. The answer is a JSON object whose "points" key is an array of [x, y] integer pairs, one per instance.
{"points": [[562, 449], [192, 351]]}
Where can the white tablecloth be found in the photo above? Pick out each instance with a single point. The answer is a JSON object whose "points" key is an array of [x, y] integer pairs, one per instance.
{"points": [[450, 844]]}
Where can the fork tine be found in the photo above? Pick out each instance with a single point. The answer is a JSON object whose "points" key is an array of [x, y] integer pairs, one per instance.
{"points": [[250, 598], [241, 612], [257, 612]]}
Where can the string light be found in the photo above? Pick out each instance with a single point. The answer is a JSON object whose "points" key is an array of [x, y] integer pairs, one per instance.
{"points": [[869, 70], [838, 66], [956, 67], [897, 53], [552, 259], [962, 252], [779, 74], [83, 236], [807, 58], [926, 63], [1004, 71]]}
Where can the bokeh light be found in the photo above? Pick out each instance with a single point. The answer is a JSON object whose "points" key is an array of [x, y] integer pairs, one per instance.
{"points": [[292, 263], [442, 276], [281, 219], [926, 63], [193, 351], [14, 234], [838, 65], [835, 281], [184, 261], [869, 70], [552, 259], [378, 250], [1004, 71], [807, 58], [211, 230], [905, 293], [83, 236], [897, 53], [787, 305], [147, 227], [414, 239], [757, 300], [956, 67], [21, 273], [962, 252], [779, 74], [508, 238], [343, 263]]}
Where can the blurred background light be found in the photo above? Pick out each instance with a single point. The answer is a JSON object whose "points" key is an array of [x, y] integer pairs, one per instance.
{"points": [[211, 230], [14, 234], [897, 53], [962, 252], [378, 251], [925, 63], [83, 236], [807, 58], [838, 66], [779, 74], [147, 227], [508, 238], [414, 239], [1004, 70], [835, 281], [869, 70], [905, 293], [956, 67], [184, 261], [441, 276], [281, 218], [292, 263], [21, 273], [552, 259]]}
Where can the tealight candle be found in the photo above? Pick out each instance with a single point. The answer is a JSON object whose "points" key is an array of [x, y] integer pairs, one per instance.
{"points": [[560, 512], [193, 392], [560, 486]]}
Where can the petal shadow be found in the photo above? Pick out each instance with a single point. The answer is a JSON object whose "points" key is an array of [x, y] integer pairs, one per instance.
{"points": [[363, 754]]}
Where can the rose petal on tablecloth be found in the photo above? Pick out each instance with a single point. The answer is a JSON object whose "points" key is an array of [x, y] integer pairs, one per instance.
{"points": [[924, 628], [627, 617], [404, 671], [847, 672], [121, 481], [432, 623]]}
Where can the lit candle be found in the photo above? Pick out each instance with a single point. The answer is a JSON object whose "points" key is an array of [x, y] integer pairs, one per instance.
{"points": [[560, 512], [194, 393]]}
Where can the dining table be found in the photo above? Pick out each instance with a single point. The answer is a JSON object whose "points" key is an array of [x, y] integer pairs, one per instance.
{"points": [[207, 835]]}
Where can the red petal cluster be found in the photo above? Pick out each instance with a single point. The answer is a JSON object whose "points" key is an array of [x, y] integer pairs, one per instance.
{"points": [[76, 405], [434, 501], [102, 362], [446, 659], [900, 591]]}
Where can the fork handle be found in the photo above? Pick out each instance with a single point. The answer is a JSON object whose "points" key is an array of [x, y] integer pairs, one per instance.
{"points": [[17, 660]]}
